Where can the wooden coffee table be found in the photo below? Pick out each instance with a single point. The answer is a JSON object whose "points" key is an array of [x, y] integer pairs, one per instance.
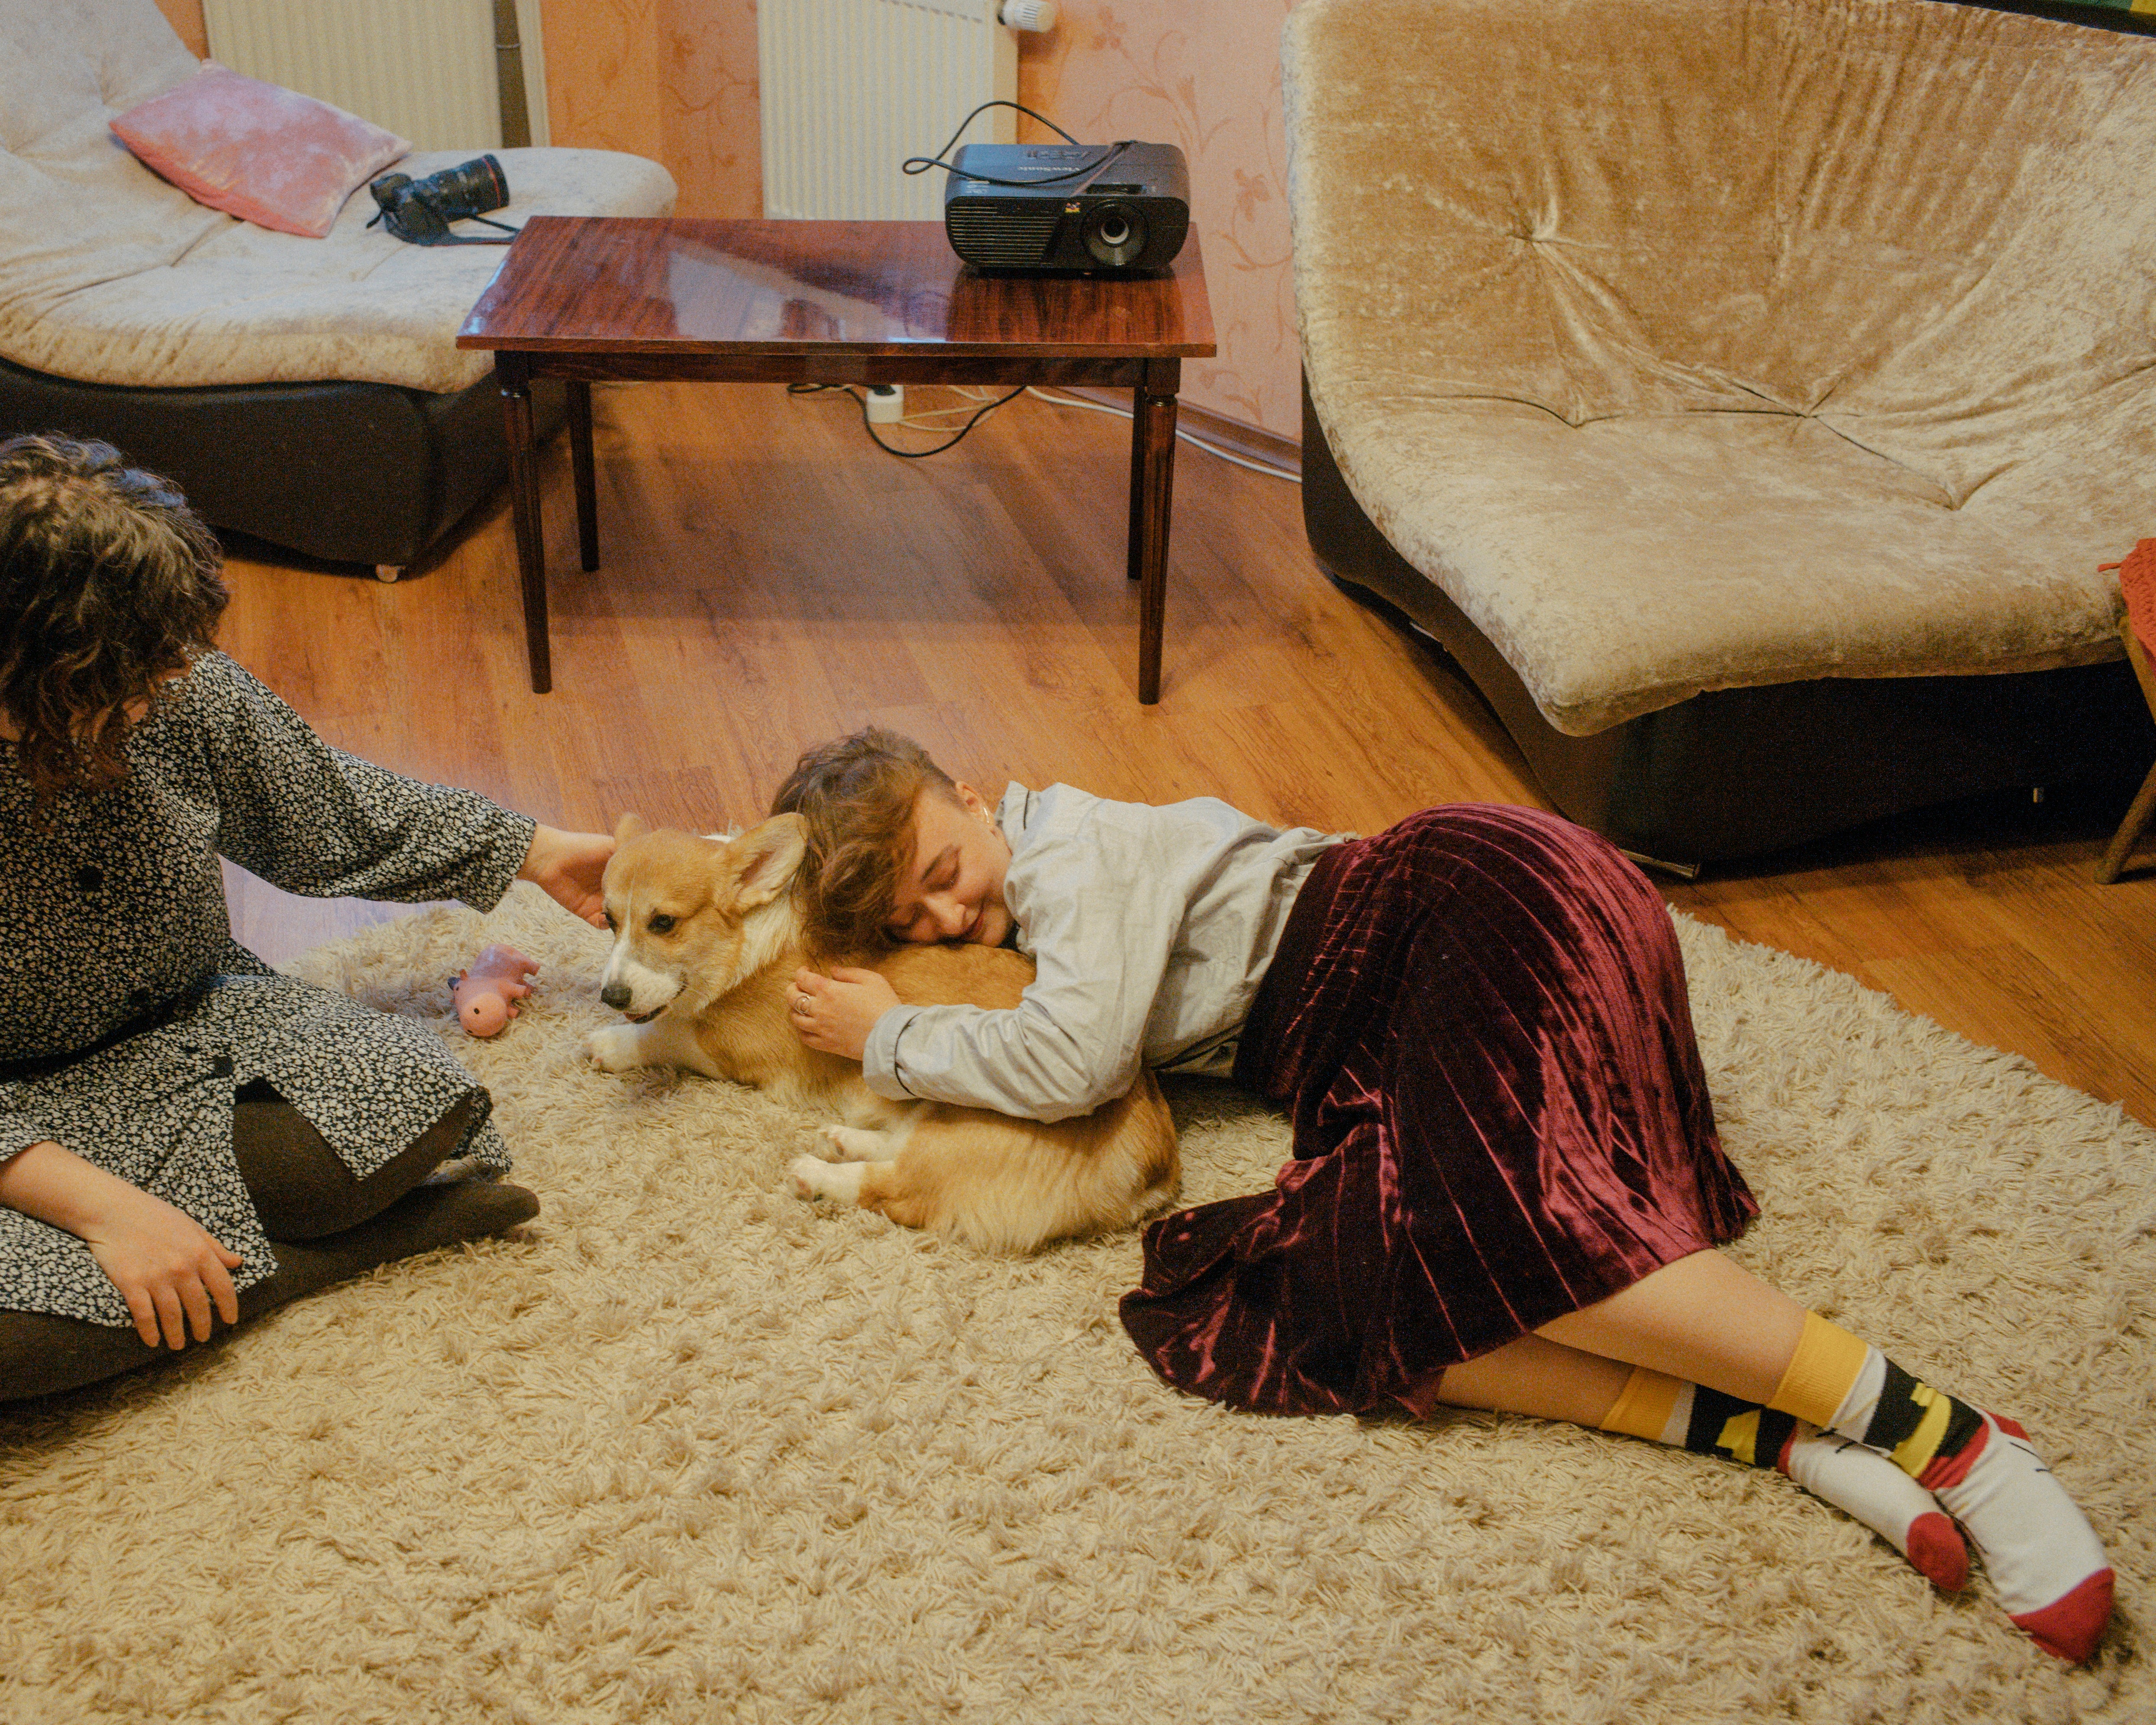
{"points": [[611, 298]]}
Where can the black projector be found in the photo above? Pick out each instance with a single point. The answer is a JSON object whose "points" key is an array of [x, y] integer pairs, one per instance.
{"points": [[1104, 208]]}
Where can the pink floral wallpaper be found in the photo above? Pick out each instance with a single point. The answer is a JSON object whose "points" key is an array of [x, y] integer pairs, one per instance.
{"points": [[185, 18], [671, 79], [1204, 75]]}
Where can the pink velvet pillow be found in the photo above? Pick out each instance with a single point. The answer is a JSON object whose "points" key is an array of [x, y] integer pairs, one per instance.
{"points": [[267, 154]]}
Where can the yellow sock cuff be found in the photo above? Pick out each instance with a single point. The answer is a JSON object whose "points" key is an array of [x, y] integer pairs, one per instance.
{"points": [[1642, 1407], [1825, 1363]]}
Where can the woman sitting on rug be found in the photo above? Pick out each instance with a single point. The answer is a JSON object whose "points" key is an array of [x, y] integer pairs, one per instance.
{"points": [[1507, 1189], [187, 1133]]}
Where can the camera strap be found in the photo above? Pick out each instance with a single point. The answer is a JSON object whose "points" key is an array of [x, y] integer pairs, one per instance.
{"points": [[446, 238]]}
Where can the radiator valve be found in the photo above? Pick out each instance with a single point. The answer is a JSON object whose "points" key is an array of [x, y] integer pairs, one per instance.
{"points": [[1030, 15]]}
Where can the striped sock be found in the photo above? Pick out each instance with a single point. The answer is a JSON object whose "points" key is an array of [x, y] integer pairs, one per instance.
{"points": [[2045, 1560], [1854, 1480]]}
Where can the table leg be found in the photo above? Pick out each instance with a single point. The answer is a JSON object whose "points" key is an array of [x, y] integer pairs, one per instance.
{"points": [[580, 463], [513, 373], [1153, 481], [1137, 484]]}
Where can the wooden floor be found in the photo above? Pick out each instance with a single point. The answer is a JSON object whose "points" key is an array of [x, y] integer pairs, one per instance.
{"points": [[768, 578]]}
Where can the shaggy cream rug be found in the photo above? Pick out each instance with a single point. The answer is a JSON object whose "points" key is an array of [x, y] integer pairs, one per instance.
{"points": [[687, 1449]]}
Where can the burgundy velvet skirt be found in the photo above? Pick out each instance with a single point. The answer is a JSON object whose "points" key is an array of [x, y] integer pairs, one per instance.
{"points": [[1477, 1021]]}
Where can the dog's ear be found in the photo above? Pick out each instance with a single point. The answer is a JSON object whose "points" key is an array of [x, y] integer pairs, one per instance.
{"points": [[767, 856], [628, 826]]}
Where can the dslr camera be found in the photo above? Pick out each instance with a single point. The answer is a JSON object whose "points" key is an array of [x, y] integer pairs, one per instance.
{"points": [[421, 211]]}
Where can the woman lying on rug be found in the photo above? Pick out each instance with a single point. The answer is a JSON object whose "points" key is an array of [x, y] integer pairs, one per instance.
{"points": [[184, 1131], [1507, 1186]]}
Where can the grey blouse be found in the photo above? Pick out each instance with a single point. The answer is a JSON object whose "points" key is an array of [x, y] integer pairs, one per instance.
{"points": [[1150, 927], [129, 1016]]}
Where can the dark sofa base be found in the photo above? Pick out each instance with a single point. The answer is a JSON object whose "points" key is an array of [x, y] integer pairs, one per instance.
{"points": [[1739, 772], [353, 473]]}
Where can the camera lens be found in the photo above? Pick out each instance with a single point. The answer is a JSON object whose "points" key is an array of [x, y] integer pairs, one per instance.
{"points": [[471, 188], [1115, 234]]}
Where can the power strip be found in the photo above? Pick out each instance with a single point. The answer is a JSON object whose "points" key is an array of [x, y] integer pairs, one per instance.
{"points": [[887, 403]]}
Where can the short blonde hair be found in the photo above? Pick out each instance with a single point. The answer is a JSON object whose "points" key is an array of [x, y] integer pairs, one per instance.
{"points": [[857, 795]]}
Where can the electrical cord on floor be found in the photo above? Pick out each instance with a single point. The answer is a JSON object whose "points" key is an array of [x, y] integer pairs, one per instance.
{"points": [[861, 398], [1190, 437]]}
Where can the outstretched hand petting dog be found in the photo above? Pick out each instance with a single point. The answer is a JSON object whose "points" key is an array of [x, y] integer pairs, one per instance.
{"points": [[834, 1014], [571, 868]]}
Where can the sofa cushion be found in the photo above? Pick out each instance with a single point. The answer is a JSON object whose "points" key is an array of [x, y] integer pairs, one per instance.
{"points": [[109, 275], [268, 155], [1698, 344]]}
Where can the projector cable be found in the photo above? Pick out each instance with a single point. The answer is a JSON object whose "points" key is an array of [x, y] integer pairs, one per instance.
{"points": [[869, 425], [1091, 170]]}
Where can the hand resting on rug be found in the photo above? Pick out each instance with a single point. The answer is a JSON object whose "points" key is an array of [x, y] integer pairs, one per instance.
{"points": [[1507, 1190], [192, 1138]]}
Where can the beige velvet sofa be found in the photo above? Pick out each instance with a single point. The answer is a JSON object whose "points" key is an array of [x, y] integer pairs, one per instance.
{"points": [[1744, 391], [309, 392]]}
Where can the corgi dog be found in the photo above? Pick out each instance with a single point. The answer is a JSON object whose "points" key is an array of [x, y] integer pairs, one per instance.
{"points": [[708, 932]]}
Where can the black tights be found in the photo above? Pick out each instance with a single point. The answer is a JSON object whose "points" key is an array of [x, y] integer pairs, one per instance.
{"points": [[328, 1225], [302, 1191]]}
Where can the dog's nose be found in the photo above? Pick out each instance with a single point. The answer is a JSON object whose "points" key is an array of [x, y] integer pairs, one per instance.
{"points": [[616, 995]]}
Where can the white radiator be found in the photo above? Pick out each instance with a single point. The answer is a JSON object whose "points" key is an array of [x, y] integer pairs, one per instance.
{"points": [[850, 88], [428, 70]]}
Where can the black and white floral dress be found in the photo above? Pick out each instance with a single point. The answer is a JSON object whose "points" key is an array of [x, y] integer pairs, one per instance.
{"points": [[129, 1016]]}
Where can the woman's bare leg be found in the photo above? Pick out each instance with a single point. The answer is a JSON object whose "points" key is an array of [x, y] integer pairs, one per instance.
{"points": [[1706, 1322], [1543, 1379], [1704, 1319], [1548, 1380]]}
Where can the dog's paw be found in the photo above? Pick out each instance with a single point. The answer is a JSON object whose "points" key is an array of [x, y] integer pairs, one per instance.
{"points": [[615, 1047], [861, 1143], [857, 1143], [814, 1177]]}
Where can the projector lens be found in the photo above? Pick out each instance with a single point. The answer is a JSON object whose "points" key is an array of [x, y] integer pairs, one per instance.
{"points": [[1115, 234]]}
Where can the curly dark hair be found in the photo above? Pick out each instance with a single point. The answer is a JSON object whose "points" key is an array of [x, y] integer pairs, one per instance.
{"points": [[857, 795], [108, 585]]}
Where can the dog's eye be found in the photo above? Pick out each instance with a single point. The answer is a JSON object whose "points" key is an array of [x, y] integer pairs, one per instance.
{"points": [[613, 927], [662, 924]]}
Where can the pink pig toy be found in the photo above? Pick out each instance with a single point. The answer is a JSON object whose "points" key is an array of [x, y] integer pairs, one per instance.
{"points": [[485, 994]]}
